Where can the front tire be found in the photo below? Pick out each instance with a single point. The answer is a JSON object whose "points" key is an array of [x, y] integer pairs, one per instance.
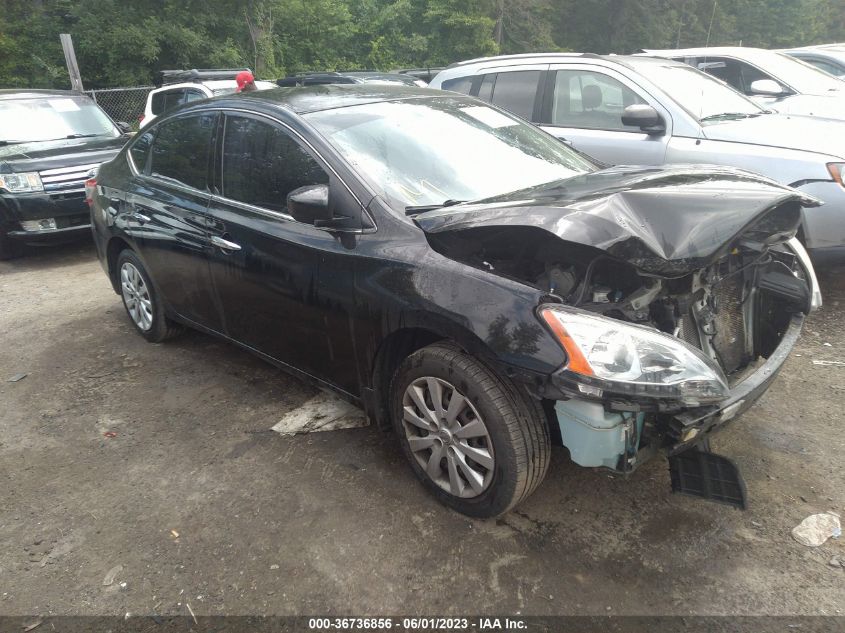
{"points": [[474, 439], [9, 248], [141, 301]]}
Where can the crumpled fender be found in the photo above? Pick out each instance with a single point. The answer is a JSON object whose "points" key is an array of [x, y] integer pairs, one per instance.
{"points": [[664, 221]]}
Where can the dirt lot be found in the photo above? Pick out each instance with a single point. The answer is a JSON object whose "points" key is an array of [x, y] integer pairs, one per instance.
{"points": [[201, 503]]}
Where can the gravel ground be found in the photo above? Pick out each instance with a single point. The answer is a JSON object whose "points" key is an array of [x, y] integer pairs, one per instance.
{"points": [[195, 501]]}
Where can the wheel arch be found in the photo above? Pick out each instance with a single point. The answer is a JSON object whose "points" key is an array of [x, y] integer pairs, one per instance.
{"points": [[115, 246]]}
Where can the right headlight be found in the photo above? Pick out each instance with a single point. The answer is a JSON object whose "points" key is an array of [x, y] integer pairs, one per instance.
{"points": [[614, 357], [21, 183]]}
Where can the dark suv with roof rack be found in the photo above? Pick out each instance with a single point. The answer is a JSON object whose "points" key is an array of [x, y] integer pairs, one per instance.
{"points": [[50, 140]]}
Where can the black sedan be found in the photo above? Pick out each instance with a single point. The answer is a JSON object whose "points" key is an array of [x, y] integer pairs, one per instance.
{"points": [[467, 279]]}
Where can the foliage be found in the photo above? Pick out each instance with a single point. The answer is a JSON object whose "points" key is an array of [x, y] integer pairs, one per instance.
{"points": [[121, 43]]}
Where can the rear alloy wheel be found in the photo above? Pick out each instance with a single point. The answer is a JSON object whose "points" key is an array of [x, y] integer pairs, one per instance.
{"points": [[473, 438], [141, 301]]}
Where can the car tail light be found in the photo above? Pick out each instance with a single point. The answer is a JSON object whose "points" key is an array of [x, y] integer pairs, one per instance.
{"points": [[90, 190]]}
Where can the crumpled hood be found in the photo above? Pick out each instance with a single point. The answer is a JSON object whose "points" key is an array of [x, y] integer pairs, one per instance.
{"points": [[664, 221], [25, 157], [809, 134]]}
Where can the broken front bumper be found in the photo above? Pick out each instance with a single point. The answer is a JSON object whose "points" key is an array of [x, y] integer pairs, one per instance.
{"points": [[690, 427], [599, 434]]}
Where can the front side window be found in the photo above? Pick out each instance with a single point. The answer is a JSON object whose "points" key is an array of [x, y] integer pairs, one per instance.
{"points": [[53, 118], [427, 151], [516, 92], [262, 164], [182, 149], [592, 100]]}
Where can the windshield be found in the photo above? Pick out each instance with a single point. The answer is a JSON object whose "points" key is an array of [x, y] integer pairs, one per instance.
{"points": [[705, 98], [31, 120], [432, 150], [806, 79]]}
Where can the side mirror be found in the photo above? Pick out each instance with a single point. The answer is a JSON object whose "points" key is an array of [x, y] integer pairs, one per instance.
{"points": [[767, 88], [124, 127], [310, 204], [644, 117]]}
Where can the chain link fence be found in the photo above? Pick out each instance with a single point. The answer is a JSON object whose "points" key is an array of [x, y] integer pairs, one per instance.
{"points": [[122, 104]]}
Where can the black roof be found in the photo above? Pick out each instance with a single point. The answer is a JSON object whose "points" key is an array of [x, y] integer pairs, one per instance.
{"points": [[326, 97], [34, 93]]}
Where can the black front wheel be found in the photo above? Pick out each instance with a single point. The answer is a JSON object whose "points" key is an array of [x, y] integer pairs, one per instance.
{"points": [[9, 248], [474, 439], [141, 300]]}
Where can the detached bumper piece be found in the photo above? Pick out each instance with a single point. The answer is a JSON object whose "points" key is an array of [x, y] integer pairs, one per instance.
{"points": [[699, 473]]}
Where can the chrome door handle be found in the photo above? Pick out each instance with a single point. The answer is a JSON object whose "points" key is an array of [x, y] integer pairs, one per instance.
{"points": [[143, 219], [226, 245]]}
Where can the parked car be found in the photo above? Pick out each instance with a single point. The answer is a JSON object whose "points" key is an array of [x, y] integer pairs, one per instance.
{"points": [[423, 74], [628, 311], [49, 141], [178, 87], [652, 111], [773, 79], [829, 58], [349, 77]]}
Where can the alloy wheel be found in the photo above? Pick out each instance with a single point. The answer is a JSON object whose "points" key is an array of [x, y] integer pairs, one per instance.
{"points": [[447, 436], [136, 296]]}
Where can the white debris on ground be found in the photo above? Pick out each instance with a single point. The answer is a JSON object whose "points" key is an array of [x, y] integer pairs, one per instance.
{"points": [[817, 528], [323, 412]]}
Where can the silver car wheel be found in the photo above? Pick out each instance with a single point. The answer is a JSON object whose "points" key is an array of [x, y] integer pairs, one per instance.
{"points": [[136, 296], [447, 437]]}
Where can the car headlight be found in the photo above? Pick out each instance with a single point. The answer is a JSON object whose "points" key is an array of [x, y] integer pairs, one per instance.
{"points": [[613, 357], [21, 183], [837, 171]]}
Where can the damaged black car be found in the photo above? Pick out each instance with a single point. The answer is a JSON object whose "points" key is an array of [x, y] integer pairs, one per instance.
{"points": [[470, 281]]}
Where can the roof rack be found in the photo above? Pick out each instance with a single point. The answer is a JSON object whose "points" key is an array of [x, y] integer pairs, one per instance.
{"points": [[195, 75]]}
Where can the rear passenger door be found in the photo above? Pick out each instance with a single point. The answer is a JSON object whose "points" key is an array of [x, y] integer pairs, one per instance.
{"points": [[166, 212], [583, 106]]}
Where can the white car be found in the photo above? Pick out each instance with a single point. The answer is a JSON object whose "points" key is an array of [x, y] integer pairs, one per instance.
{"points": [[773, 79], [192, 85]]}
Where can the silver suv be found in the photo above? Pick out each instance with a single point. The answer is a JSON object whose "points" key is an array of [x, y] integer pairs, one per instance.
{"points": [[650, 111]]}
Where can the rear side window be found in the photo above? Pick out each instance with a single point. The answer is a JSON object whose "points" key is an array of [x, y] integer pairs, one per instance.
{"points": [[141, 149], [182, 148], [460, 84], [516, 92], [262, 164], [167, 100]]}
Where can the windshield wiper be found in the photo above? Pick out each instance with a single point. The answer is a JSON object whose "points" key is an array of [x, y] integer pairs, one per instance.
{"points": [[730, 115], [80, 136], [48, 140], [431, 207], [5, 142]]}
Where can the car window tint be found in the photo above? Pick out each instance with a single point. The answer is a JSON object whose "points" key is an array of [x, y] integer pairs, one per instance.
{"points": [[737, 74], [193, 95], [140, 149], [158, 104], [592, 100], [182, 148], [516, 91], [486, 90], [262, 164], [825, 66], [460, 84]]}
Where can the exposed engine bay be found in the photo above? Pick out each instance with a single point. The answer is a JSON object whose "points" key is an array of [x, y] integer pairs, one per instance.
{"points": [[735, 310]]}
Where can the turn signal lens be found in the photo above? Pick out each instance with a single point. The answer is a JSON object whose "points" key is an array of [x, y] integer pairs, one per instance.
{"points": [[837, 172]]}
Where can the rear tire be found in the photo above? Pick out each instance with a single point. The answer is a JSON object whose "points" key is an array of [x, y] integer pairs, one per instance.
{"points": [[475, 440], [142, 303]]}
